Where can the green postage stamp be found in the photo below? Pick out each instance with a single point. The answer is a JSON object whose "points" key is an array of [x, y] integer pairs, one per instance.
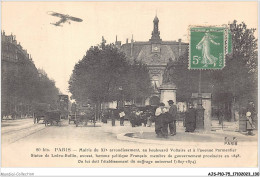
{"points": [[208, 47]]}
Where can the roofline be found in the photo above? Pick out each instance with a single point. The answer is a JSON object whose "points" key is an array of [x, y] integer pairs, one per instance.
{"points": [[162, 43]]}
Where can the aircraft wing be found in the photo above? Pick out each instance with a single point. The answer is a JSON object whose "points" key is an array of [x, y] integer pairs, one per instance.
{"points": [[75, 19], [56, 14]]}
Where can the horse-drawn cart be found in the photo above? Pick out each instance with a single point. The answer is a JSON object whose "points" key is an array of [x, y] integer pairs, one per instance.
{"points": [[84, 116], [39, 111], [52, 117]]}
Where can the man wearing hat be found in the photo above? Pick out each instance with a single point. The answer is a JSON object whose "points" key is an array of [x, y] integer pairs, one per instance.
{"points": [[173, 113]]}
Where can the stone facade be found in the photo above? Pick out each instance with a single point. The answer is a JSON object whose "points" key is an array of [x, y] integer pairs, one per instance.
{"points": [[12, 55], [156, 54]]}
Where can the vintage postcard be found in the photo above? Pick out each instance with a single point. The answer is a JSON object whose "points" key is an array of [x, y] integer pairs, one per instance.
{"points": [[129, 84]]}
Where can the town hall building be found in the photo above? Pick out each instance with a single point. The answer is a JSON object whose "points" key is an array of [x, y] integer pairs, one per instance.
{"points": [[155, 53]]}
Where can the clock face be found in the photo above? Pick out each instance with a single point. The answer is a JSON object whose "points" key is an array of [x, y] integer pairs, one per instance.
{"points": [[155, 48]]}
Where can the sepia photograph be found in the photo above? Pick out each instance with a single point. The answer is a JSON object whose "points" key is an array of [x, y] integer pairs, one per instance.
{"points": [[92, 84]]}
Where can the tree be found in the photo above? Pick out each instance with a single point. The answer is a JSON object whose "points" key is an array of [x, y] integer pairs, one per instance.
{"points": [[137, 81], [97, 75], [105, 75], [47, 91], [239, 77], [27, 79]]}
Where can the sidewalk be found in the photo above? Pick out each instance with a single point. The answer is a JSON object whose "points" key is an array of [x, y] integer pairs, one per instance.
{"points": [[147, 135]]}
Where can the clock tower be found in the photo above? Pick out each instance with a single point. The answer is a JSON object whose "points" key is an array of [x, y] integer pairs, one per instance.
{"points": [[155, 33], [155, 39]]}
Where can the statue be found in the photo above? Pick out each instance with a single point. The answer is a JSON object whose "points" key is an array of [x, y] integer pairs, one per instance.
{"points": [[169, 72]]}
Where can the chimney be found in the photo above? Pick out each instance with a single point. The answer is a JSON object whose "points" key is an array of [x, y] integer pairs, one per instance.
{"points": [[3, 35], [103, 40], [132, 45], [179, 47], [118, 43], [12, 38], [126, 41]]}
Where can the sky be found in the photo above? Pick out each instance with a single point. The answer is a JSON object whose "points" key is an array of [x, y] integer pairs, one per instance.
{"points": [[57, 49]]}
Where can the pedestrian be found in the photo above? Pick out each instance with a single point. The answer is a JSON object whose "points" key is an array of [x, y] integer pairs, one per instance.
{"points": [[220, 116], [249, 123], [138, 117], [159, 113], [251, 108], [173, 113], [122, 117], [34, 118], [113, 117], [132, 117], [191, 119], [144, 117], [149, 119]]}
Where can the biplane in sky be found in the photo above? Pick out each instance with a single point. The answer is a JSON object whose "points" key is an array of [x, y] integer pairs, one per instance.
{"points": [[63, 18]]}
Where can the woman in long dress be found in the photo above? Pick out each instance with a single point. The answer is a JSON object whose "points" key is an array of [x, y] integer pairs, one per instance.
{"points": [[249, 123]]}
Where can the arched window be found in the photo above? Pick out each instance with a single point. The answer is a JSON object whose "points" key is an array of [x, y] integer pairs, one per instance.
{"points": [[155, 82]]}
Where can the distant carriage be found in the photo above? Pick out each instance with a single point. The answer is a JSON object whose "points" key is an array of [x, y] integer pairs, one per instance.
{"points": [[53, 117], [63, 106], [43, 111], [39, 111], [73, 113], [73, 117], [85, 115]]}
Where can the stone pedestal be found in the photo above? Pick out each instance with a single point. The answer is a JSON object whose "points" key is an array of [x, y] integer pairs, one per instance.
{"points": [[168, 92], [206, 106]]}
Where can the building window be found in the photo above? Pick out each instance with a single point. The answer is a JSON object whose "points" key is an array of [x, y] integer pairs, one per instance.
{"points": [[155, 82]]}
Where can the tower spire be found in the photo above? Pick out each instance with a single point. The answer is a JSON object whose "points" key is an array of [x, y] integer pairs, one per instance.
{"points": [[156, 32]]}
